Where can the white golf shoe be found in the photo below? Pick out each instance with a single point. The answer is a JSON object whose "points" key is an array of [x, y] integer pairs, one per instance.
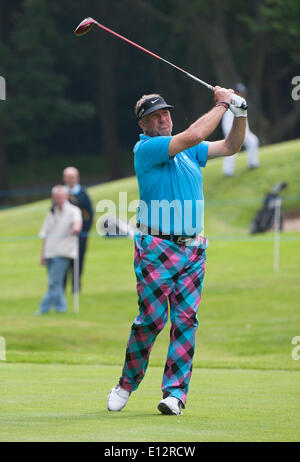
{"points": [[170, 406], [117, 398]]}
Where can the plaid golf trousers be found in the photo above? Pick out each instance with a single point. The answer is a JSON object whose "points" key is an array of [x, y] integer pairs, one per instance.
{"points": [[165, 272]]}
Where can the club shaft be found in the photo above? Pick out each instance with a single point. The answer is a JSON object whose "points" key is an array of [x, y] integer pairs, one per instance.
{"points": [[210, 87]]}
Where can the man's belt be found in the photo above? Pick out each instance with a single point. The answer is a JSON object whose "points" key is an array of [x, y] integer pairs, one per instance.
{"points": [[179, 240]]}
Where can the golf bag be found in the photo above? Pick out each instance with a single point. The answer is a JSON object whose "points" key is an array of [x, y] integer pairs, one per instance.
{"points": [[264, 219]]}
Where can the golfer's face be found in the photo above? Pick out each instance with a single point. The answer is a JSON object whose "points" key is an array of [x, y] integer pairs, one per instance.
{"points": [[159, 123]]}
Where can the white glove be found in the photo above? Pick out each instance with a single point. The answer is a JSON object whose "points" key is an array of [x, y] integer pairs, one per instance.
{"points": [[238, 106]]}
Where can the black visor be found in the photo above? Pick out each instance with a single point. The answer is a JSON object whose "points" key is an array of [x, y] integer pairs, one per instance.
{"points": [[151, 105]]}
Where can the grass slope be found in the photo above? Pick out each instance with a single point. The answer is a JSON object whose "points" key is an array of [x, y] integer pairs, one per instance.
{"points": [[248, 312], [245, 382], [230, 202]]}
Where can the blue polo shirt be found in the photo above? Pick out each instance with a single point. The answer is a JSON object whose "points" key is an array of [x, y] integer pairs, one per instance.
{"points": [[170, 188]]}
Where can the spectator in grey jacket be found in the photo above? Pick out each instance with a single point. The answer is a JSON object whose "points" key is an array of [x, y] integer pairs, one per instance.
{"points": [[60, 244]]}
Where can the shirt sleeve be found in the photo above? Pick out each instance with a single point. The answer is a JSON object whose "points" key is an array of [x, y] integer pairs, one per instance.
{"points": [[44, 229], [154, 151], [199, 153]]}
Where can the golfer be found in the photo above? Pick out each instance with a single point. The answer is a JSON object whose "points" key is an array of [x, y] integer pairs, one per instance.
{"points": [[170, 251]]}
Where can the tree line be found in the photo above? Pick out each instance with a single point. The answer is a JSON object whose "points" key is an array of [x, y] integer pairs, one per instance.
{"points": [[68, 95]]}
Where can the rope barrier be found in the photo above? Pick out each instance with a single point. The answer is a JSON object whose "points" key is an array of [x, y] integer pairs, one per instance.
{"points": [[39, 191], [234, 238]]}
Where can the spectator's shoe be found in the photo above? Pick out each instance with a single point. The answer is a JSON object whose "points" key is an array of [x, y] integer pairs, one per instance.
{"points": [[170, 406], [117, 398]]}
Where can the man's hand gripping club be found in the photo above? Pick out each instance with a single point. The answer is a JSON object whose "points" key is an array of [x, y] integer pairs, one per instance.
{"points": [[237, 104]]}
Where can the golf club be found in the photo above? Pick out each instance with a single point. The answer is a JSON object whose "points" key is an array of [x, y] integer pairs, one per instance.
{"points": [[86, 25]]}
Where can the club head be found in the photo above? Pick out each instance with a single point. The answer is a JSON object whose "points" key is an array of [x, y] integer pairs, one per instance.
{"points": [[84, 27]]}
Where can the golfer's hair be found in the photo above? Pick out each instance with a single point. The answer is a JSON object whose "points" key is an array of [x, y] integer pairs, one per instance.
{"points": [[58, 188], [142, 100]]}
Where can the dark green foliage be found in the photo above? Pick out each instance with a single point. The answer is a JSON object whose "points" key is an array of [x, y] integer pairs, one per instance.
{"points": [[68, 95]]}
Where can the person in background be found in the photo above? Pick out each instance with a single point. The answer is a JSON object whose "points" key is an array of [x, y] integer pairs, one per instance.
{"points": [[251, 142], [59, 233], [79, 197]]}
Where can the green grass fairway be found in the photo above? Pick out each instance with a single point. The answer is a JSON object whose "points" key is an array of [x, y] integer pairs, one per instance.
{"points": [[59, 403], [245, 383], [247, 318]]}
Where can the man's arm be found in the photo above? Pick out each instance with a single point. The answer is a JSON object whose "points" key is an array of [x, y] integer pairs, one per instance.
{"points": [[76, 221], [76, 228], [203, 127], [42, 257], [43, 235], [232, 143]]}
